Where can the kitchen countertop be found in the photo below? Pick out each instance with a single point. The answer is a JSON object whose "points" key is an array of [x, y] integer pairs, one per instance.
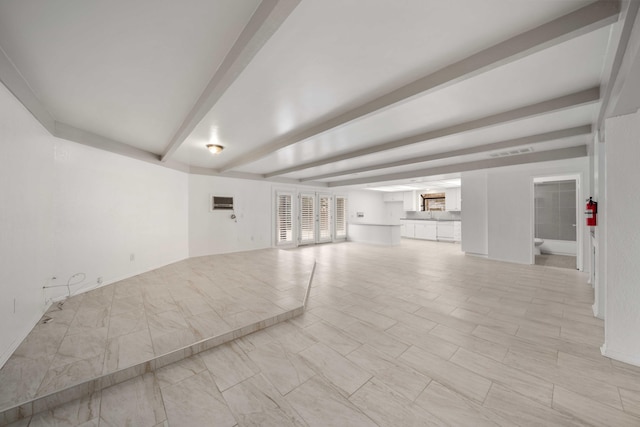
{"points": [[428, 219], [373, 223]]}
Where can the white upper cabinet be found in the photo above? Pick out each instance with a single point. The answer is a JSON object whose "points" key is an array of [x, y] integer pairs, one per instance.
{"points": [[453, 200], [410, 201], [395, 196]]}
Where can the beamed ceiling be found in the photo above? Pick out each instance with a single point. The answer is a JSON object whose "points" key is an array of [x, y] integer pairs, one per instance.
{"points": [[320, 92]]}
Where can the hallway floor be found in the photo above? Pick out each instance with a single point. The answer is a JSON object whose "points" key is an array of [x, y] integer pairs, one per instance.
{"points": [[417, 334], [560, 261]]}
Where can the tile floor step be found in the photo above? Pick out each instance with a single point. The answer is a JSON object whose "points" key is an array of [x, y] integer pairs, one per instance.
{"points": [[120, 331]]}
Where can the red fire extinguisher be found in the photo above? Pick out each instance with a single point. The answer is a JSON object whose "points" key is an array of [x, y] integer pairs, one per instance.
{"points": [[591, 213]]}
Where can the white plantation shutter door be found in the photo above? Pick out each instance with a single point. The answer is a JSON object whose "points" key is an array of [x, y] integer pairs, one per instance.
{"points": [[307, 220], [284, 219], [325, 218], [341, 217]]}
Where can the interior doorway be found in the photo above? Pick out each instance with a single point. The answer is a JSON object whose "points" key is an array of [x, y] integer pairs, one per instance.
{"points": [[557, 229]]}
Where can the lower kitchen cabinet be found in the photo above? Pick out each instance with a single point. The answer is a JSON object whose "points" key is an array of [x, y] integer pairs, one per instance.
{"points": [[449, 231], [445, 231], [426, 230], [407, 229], [457, 231]]}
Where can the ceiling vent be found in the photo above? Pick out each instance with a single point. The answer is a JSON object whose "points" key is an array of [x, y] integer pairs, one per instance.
{"points": [[514, 152]]}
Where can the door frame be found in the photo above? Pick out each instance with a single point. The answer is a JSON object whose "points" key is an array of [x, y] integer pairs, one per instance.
{"points": [[580, 227], [294, 214]]}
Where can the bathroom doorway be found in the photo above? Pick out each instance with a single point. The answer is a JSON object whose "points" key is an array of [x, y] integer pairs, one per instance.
{"points": [[557, 241]]}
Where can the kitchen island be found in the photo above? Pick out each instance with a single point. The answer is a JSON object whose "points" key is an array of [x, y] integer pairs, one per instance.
{"points": [[376, 234]]}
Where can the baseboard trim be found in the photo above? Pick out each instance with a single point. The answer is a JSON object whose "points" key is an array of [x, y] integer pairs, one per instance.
{"points": [[620, 356], [477, 255], [596, 312], [109, 281], [559, 253]]}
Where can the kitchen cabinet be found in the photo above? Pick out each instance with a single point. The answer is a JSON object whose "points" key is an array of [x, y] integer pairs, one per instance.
{"points": [[407, 229], [453, 201], [426, 230], [445, 230], [410, 201], [395, 196], [457, 231]]}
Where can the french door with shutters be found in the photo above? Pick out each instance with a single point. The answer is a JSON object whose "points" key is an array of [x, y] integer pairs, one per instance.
{"points": [[307, 219], [340, 218], [284, 218], [325, 215], [315, 218]]}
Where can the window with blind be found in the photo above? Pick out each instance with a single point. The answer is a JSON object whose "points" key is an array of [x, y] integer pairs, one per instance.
{"points": [[341, 217], [284, 219], [307, 220]]}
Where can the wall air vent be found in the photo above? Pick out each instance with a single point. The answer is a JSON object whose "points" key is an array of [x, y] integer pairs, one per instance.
{"points": [[513, 152], [221, 202]]}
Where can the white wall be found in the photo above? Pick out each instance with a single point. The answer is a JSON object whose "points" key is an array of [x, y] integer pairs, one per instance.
{"points": [[254, 227], [474, 214], [26, 221], [509, 208], [215, 232], [510, 201], [66, 208], [600, 232], [622, 315], [109, 207], [375, 210]]}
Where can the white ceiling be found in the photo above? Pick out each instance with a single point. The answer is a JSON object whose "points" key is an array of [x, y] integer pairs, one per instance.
{"points": [[323, 92]]}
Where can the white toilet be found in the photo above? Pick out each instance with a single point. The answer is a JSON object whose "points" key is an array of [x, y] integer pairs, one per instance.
{"points": [[537, 243]]}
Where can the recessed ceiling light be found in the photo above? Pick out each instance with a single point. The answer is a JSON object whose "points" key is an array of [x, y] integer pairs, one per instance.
{"points": [[215, 148]]}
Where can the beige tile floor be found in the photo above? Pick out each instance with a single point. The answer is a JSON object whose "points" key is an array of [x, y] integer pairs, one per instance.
{"points": [[417, 334], [141, 318]]}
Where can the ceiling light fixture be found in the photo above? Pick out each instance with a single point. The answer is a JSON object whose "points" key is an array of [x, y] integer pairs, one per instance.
{"points": [[215, 148]]}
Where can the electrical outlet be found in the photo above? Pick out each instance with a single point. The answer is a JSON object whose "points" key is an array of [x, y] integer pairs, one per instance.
{"points": [[132, 257], [99, 280], [14, 306]]}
